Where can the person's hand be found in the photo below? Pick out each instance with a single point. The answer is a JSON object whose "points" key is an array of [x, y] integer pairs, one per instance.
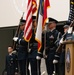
{"points": [[16, 73], [38, 57], [15, 39], [70, 29], [55, 61], [14, 52], [61, 41], [44, 56]]}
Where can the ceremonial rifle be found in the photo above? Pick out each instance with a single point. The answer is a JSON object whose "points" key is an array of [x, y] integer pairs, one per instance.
{"points": [[60, 46], [17, 32]]}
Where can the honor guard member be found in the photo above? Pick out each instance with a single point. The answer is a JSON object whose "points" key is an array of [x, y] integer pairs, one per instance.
{"points": [[61, 53], [11, 66], [52, 37], [22, 49], [35, 66]]}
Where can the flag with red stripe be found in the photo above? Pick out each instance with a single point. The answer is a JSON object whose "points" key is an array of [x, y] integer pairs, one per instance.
{"points": [[42, 16], [34, 6], [31, 8], [46, 5]]}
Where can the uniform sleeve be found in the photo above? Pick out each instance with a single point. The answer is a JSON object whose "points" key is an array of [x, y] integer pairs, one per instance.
{"points": [[40, 53], [32, 39], [16, 64], [59, 36], [22, 42], [6, 64], [42, 48], [57, 54]]}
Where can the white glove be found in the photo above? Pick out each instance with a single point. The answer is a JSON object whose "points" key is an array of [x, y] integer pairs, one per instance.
{"points": [[45, 56], [70, 29], [55, 61], [29, 50], [16, 73], [61, 41], [14, 52], [15, 39], [38, 58]]}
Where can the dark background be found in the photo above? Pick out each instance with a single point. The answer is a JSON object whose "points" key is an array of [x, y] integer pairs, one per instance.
{"points": [[6, 35]]}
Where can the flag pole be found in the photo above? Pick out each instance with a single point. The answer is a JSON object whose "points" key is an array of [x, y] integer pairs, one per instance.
{"points": [[45, 42], [27, 62]]}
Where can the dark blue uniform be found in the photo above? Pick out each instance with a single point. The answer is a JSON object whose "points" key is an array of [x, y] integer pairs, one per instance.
{"points": [[22, 50], [35, 64], [52, 38], [11, 64], [62, 62], [62, 59]]}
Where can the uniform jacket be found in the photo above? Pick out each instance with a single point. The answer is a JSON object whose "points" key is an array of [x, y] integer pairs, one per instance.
{"points": [[11, 65], [33, 46], [22, 47], [62, 51], [52, 40]]}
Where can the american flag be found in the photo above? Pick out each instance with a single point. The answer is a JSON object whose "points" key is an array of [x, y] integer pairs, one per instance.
{"points": [[31, 8], [42, 16], [71, 14], [34, 6]]}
